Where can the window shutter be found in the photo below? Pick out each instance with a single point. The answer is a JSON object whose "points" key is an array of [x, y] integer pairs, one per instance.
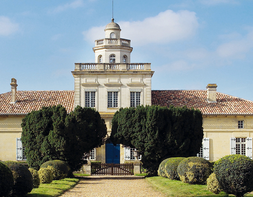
{"points": [[19, 149], [127, 153], [232, 145], [249, 147], [206, 148]]}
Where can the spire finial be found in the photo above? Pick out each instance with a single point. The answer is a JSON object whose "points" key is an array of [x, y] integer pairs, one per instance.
{"points": [[112, 12]]}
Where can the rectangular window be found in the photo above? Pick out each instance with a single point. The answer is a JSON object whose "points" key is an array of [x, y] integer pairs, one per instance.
{"points": [[200, 154], [93, 154], [90, 99], [112, 99], [240, 146], [129, 154], [135, 99], [240, 124]]}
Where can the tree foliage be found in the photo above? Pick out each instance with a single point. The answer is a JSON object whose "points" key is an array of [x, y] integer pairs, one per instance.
{"points": [[52, 134], [235, 174], [158, 132]]}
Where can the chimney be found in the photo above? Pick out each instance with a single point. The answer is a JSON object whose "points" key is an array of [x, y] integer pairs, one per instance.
{"points": [[13, 90], [211, 93]]}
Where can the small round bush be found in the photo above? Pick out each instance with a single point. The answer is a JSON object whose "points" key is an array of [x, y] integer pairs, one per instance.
{"points": [[213, 184], [60, 169], [45, 175], [6, 180], [171, 167], [235, 174], [36, 178], [23, 181], [194, 170], [161, 168]]}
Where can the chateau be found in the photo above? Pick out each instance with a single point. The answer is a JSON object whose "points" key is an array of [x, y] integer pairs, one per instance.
{"points": [[113, 82]]}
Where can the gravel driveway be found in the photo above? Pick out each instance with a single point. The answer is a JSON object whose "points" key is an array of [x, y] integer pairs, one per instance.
{"points": [[113, 186]]}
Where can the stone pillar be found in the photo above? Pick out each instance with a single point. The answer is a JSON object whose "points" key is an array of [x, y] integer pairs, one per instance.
{"points": [[137, 167], [13, 90], [86, 168]]}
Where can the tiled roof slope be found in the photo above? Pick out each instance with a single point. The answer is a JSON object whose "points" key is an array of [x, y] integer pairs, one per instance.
{"points": [[28, 101], [197, 99]]}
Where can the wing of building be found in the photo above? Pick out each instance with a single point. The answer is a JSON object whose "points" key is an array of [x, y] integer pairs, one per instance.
{"points": [[113, 82]]}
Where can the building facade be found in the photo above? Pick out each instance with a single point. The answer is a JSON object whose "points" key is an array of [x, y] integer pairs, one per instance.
{"points": [[113, 82]]}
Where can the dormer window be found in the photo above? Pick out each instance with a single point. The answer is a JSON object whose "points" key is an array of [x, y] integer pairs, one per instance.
{"points": [[124, 59], [112, 35], [112, 58], [100, 59]]}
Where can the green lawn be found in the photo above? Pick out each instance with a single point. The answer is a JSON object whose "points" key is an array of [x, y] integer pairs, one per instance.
{"points": [[56, 188], [178, 188]]}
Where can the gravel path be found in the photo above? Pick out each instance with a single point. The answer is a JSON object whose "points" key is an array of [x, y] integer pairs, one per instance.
{"points": [[128, 186]]}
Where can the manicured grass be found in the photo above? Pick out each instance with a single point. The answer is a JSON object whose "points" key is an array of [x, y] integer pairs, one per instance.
{"points": [[142, 174], [56, 188], [178, 188], [80, 174]]}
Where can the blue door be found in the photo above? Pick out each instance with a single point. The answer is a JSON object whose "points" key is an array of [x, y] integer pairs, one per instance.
{"points": [[112, 153]]}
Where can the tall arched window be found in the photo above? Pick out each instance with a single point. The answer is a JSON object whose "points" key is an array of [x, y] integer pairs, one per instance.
{"points": [[112, 58], [100, 59], [112, 35], [125, 59]]}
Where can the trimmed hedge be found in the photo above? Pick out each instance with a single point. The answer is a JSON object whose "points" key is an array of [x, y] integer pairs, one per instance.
{"points": [[6, 180], [36, 178], [23, 181], [60, 169], [194, 170], [171, 167], [213, 184], [45, 175], [161, 169], [235, 174]]}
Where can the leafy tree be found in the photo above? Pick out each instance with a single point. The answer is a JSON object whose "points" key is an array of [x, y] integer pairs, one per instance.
{"points": [[52, 134], [158, 132]]}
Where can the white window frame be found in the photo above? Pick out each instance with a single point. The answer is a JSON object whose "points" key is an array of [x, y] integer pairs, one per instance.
{"points": [[129, 154], [100, 60], [112, 58], [90, 98], [135, 98], [125, 58], [112, 99], [20, 156], [240, 124], [239, 146], [93, 154], [204, 149]]}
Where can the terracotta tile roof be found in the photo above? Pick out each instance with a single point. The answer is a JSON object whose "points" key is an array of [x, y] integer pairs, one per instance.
{"points": [[28, 101], [197, 99]]}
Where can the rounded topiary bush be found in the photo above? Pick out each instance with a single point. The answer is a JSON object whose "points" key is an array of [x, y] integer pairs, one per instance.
{"points": [[45, 175], [194, 170], [6, 180], [213, 184], [161, 168], [60, 169], [36, 178], [171, 167], [235, 174], [23, 181]]}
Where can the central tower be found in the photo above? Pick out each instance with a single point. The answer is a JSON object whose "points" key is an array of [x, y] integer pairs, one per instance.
{"points": [[112, 49]]}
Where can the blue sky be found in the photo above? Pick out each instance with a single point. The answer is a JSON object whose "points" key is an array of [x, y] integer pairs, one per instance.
{"points": [[189, 43]]}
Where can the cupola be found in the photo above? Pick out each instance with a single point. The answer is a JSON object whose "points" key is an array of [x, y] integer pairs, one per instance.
{"points": [[112, 30]]}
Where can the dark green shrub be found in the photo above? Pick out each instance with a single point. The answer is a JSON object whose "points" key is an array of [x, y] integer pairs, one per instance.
{"points": [[45, 175], [235, 174], [23, 181], [36, 178], [161, 169], [171, 167], [213, 184], [194, 170], [60, 169], [6, 180]]}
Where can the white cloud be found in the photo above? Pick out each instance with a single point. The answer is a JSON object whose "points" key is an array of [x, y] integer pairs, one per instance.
{"points": [[216, 2], [166, 27], [237, 48], [7, 27], [73, 5]]}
